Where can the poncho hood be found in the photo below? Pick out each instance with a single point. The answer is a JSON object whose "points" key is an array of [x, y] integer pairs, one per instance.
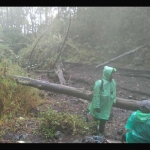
{"points": [[107, 72]]}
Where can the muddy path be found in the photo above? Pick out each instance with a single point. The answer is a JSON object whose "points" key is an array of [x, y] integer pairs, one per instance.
{"points": [[61, 102]]}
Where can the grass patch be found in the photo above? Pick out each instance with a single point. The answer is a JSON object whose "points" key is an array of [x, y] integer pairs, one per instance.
{"points": [[16, 100], [52, 121]]}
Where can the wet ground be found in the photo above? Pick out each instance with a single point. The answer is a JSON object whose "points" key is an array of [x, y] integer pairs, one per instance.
{"points": [[60, 102]]}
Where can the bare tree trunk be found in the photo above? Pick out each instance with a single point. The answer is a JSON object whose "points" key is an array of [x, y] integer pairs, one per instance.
{"points": [[43, 71], [66, 76], [63, 44], [11, 16], [7, 24], [59, 73], [40, 16], [36, 44], [118, 57], [24, 31], [46, 17], [134, 91], [133, 75], [31, 17], [79, 93], [142, 71], [2, 18]]}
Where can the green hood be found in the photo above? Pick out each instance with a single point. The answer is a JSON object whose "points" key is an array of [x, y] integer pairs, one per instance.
{"points": [[107, 72], [142, 116]]}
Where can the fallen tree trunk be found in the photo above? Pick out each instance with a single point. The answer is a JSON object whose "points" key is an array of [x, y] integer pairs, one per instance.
{"points": [[79, 80], [127, 104], [79, 93], [67, 77], [133, 75], [135, 91], [43, 71], [60, 75], [134, 70], [77, 63], [47, 86], [118, 57], [118, 68]]}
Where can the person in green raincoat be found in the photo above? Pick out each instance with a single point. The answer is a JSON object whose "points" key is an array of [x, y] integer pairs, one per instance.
{"points": [[138, 125], [104, 95]]}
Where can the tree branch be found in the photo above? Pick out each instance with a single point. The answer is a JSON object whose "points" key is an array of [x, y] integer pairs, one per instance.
{"points": [[62, 44], [118, 57], [40, 37]]}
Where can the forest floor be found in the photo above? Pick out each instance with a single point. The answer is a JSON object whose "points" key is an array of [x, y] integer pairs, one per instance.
{"points": [[29, 131]]}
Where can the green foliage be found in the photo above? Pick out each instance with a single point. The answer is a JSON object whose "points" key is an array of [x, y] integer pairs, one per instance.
{"points": [[6, 52], [16, 100], [15, 39], [96, 33], [53, 121]]}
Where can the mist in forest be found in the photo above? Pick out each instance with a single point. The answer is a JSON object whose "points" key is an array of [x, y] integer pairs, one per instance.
{"points": [[109, 31]]}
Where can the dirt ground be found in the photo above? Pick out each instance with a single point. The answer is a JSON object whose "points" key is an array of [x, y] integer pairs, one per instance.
{"points": [[87, 73]]}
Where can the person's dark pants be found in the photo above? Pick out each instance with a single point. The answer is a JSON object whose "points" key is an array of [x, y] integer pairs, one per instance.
{"points": [[102, 125], [123, 138]]}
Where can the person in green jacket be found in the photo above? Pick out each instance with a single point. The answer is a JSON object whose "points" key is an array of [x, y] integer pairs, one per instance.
{"points": [[104, 95], [138, 125]]}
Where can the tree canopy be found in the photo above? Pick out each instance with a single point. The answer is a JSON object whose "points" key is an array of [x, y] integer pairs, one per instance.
{"points": [[94, 32]]}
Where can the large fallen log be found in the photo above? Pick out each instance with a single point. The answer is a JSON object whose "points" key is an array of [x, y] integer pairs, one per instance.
{"points": [[133, 75], [43, 71], [135, 91], [79, 80], [118, 57], [47, 86], [141, 71], [66, 76], [77, 63], [79, 93]]}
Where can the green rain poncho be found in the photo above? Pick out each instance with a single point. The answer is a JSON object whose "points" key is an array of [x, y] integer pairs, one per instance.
{"points": [[103, 99], [138, 125]]}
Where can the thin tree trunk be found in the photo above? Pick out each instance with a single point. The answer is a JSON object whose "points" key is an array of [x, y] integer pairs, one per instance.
{"points": [[118, 57], [40, 16], [62, 44], [36, 44]]}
